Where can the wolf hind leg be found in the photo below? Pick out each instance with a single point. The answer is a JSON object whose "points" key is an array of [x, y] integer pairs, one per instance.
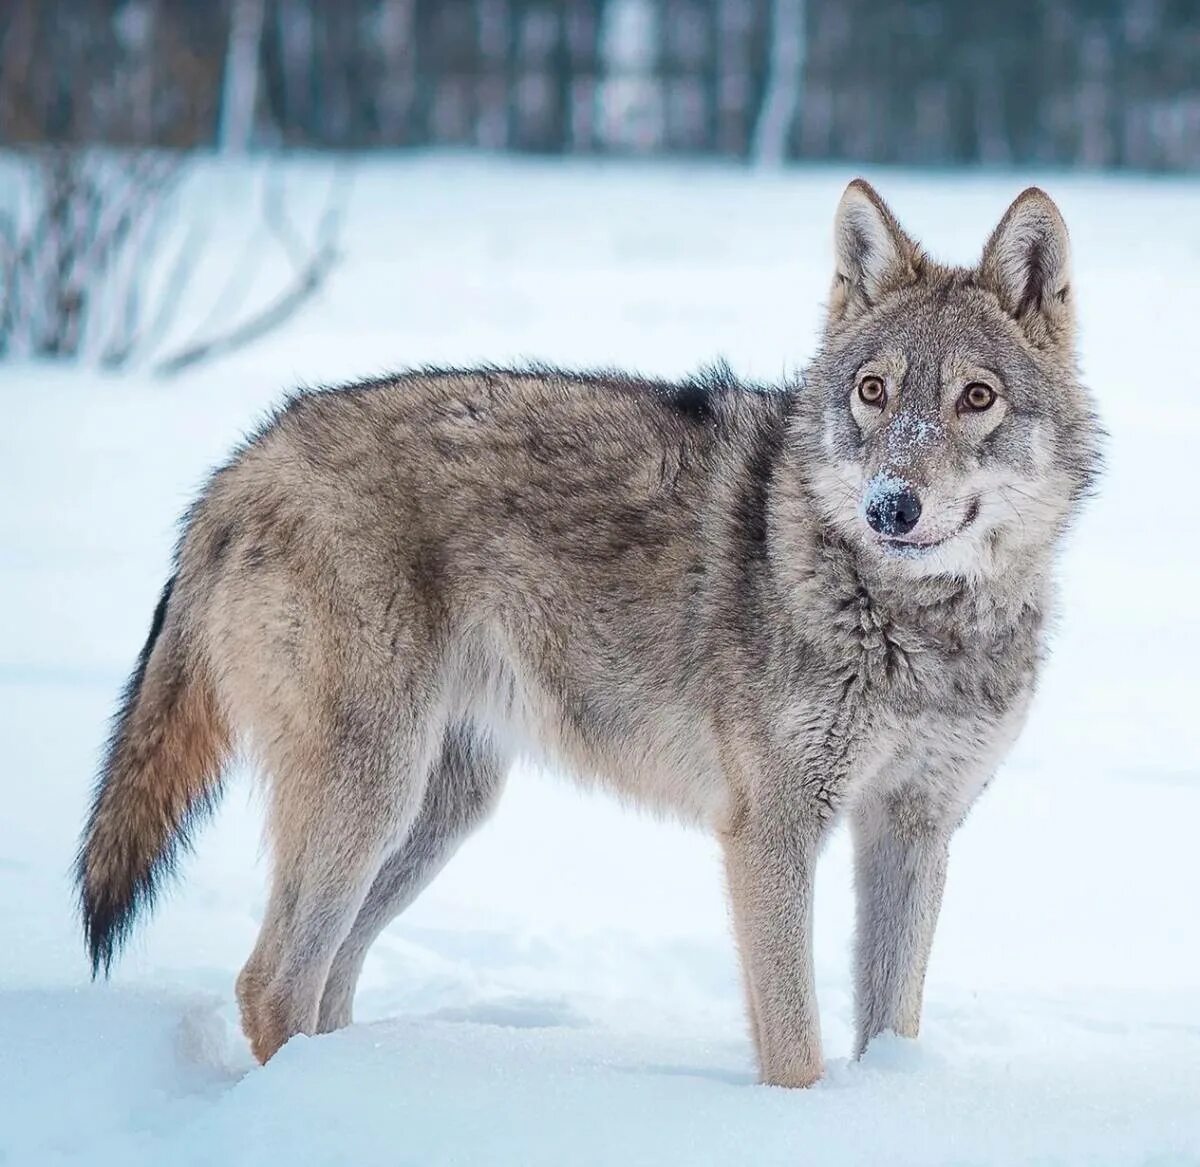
{"points": [[337, 806], [463, 789]]}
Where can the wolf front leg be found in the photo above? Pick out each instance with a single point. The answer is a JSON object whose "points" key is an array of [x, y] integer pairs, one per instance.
{"points": [[770, 865], [901, 847]]}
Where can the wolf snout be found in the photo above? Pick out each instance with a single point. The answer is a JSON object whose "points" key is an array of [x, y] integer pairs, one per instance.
{"points": [[893, 510]]}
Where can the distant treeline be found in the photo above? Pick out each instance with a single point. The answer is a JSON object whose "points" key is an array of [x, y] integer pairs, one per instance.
{"points": [[1095, 82]]}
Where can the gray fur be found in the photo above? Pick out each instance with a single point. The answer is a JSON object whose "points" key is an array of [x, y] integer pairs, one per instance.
{"points": [[666, 589], [463, 788]]}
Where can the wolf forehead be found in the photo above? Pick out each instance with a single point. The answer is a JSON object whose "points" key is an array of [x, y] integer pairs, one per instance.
{"points": [[943, 320]]}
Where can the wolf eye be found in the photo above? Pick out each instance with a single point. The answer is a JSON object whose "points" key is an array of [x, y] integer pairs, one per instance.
{"points": [[977, 397], [872, 392]]}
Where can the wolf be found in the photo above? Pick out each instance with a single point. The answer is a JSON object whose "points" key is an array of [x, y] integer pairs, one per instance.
{"points": [[760, 610]]}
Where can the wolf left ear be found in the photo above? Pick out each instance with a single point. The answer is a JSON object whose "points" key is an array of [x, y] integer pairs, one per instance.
{"points": [[1027, 264], [872, 254]]}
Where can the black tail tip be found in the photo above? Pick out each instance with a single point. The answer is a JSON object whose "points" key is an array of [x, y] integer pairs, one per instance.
{"points": [[105, 927], [100, 957]]}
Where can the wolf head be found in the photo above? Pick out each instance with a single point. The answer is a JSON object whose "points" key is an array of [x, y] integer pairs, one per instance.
{"points": [[942, 425]]}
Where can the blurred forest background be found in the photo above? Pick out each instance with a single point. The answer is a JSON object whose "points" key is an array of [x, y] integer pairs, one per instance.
{"points": [[109, 109], [1097, 83]]}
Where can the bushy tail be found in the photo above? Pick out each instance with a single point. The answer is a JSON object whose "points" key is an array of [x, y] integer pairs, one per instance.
{"points": [[162, 771]]}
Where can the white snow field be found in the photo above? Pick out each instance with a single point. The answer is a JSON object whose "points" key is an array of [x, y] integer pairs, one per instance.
{"points": [[566, 992]]}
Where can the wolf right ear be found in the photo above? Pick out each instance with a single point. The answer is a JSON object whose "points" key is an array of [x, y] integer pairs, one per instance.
{"points": [[872, 254], [1027, 264]]}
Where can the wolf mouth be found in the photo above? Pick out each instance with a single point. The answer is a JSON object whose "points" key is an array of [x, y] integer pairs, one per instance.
{"points": [[914, 549]]}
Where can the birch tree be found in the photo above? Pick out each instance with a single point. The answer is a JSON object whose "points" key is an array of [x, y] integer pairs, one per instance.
{"points": [[239, 89], [785, 75]]}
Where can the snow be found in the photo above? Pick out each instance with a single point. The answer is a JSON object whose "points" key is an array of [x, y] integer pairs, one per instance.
{"points": [[566, 992]]}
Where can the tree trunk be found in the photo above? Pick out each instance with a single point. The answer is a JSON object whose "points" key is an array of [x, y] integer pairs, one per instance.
{"points": [[785, 77], [239, 90]]}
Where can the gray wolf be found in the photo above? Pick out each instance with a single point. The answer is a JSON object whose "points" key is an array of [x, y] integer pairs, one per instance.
{"points": [[760, 610]]}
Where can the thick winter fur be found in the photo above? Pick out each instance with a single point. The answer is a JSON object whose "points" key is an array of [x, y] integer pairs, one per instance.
{"points": [[671, 590]]}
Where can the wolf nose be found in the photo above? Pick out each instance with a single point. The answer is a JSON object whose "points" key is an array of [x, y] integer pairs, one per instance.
{"points": [[894, 512]]}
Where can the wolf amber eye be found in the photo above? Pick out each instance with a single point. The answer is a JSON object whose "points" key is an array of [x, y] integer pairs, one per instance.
{"points": [[871, 391], [977, 397]]}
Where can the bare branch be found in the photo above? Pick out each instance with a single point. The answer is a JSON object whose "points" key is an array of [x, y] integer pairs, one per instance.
{"points": [[125, 289], [169, 299], [312, 267], [270, 318], [145, 186], [91, 268], [280, 225], [8, 277]]}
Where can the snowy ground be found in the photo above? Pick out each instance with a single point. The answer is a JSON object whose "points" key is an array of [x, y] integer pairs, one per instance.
{"points": [[538, 1006]]}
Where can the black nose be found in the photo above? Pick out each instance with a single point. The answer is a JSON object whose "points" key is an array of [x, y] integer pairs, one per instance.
{"points": [[894, 512]]}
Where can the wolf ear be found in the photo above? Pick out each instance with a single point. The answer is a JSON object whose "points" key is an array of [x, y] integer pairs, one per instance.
{"points": [[872, 254], [1027, 264]]}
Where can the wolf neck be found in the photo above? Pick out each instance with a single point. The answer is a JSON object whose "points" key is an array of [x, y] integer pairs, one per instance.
{"points": [[996, 603], [837, 599]]}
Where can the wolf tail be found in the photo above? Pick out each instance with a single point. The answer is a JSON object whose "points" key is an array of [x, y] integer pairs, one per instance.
{"points": [[161, 772]]}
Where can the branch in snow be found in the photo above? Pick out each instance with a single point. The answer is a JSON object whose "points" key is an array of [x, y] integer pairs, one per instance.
{"points": [[311, 266], [96, 266]]}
